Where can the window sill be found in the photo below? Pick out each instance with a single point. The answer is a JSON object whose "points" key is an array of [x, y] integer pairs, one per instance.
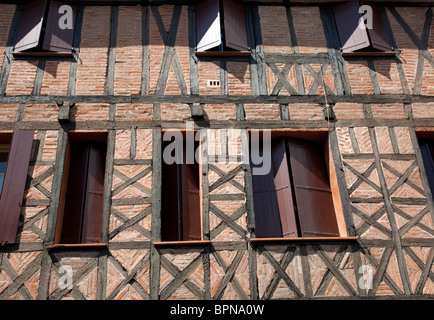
{"points": [[182, 243], [77, 246], [42, 54], [222, 53], [304, 239], [369, 54]]}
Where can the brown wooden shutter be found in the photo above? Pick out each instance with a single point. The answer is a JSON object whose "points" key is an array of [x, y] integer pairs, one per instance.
{"points": [[170, 203], [191, 220], [312, 189], [427, 150], [55, 38], [235, 26], [282, 185], [92, 215], [347, 21], [14, 184], [75, 194], [208, 25], [267, 219], [378, 35], [30, 25]]}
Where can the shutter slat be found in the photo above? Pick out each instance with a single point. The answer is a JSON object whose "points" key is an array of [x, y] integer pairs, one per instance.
{"points": [[208, 25], [235, 26], [347, 18], [30, 25], [283, 189], [267, 219], [14, 184], [312, 189], [57, 39], [92, 215]]}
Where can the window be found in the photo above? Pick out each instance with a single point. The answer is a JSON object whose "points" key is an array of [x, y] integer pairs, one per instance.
{"points": [[357, 36], [221, 26], [294, 199], [80, 209], [46, 26], [15, 150], [427, 150], [180, 198]]}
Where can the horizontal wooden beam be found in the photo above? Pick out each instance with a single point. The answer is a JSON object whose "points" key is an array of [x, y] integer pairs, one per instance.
{"points": [[219, 99]]}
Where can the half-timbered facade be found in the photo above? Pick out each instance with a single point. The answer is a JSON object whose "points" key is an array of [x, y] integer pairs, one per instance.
{"points": [[90, 91]]}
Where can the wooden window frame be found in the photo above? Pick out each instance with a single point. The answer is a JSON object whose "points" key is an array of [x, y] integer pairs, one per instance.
{"points": [[315, 135], [375, 38], [75, 137], [225, 45], [201, 241], [45, 30]]}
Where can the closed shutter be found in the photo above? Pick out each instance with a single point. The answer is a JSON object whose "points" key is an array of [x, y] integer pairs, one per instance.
{"points": [[58, 39], [208, 25], [92, 215], [14, 184], [235, 25], [170, 203], [75, 194], [267, 219], [312, 189], [427, 150], [347, 21], [378, 35], [191, 220], [30, 25], [282, 185]]}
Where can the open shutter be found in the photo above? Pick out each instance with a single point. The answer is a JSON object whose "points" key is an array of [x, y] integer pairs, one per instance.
{"points": [[92, 215], [235, 25], [170, 201], [347, 18], [75, 194], [14, 184], [312, 189], [208, 25], [282, 185], [191, 220], [55, 38], [267, 220], [427, 151], [378, 35], [30, 25]]}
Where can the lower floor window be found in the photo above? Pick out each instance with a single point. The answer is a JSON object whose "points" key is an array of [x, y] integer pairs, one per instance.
{"points": [[294, 198]]}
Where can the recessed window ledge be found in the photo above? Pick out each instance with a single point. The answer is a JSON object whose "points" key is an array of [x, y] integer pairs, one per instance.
{"points": [[97, 245], [369, 54], [182, 243], [304, 239], [222, 53]]}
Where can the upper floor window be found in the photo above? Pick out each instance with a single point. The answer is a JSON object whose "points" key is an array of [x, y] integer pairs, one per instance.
{"points": [[294, 198], [221, 26], [359, 30], [46, 26]]}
